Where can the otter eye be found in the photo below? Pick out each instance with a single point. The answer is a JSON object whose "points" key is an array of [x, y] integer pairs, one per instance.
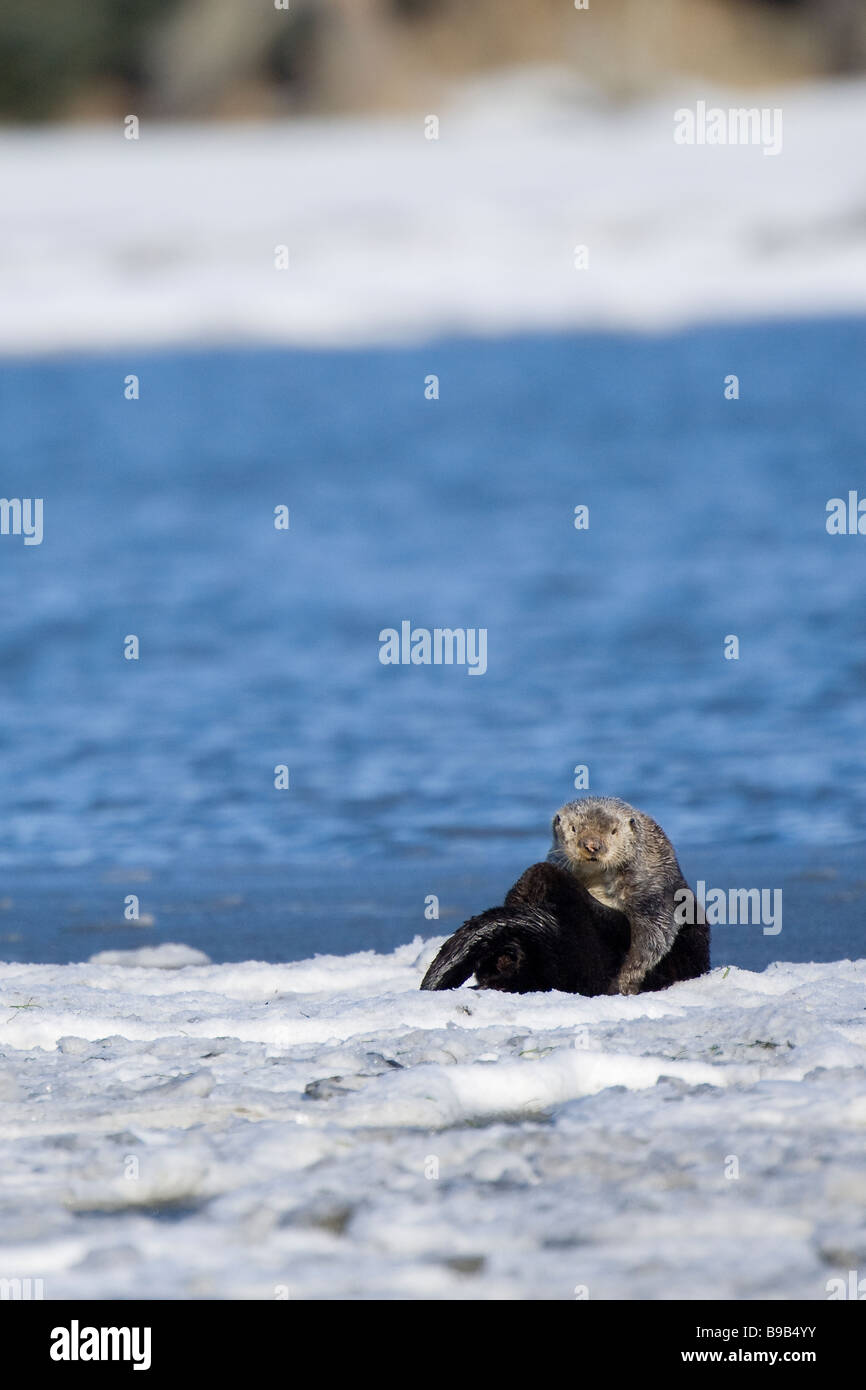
{"points": [[613, 831]]}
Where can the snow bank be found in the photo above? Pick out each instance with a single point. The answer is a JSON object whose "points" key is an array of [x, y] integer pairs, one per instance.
{"points": [[323, 1129], [391, 236]]}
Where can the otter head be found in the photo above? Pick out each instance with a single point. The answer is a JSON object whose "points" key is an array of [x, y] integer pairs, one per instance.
{"points": [[599, 830]]}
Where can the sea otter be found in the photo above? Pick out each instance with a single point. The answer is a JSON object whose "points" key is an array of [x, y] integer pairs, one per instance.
{"points": [[626, 862], [552, 933]]}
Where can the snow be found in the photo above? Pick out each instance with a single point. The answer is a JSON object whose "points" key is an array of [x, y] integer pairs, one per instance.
{"points": [[324, 1129], [393, 237], [168, 956]]}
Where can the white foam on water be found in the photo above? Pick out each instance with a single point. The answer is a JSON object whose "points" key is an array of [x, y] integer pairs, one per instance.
{"points": [[395, 238]]}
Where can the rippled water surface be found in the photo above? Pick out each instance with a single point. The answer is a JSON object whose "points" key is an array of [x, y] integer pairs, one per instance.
{"points": [[260, 647]]}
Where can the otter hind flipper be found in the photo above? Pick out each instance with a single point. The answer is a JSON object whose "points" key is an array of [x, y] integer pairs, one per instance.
{"points": [[503, 966], [464, 950], [504, 949]]}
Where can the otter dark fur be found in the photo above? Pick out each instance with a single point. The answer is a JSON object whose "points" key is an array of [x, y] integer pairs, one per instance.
{"points": [[549, 934], [625, 860]]}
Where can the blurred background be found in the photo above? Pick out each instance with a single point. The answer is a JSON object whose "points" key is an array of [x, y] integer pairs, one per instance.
{"points": [[222, 59], [155, 258]]}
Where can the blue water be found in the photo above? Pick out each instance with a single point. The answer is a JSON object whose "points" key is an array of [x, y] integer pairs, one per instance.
{"points": [[260, 647]]}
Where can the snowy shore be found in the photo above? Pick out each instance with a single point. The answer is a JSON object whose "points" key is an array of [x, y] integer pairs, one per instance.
{"points": [[324, 1130], [392, 236]]}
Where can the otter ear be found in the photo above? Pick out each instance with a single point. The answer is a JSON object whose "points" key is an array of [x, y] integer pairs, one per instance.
{"points": [[632, 821]]}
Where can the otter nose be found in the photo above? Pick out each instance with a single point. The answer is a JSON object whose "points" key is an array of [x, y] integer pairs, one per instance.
{"points": [[592, 846]]}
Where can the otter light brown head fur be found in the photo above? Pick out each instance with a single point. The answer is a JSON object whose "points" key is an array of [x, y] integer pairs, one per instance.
{"points": [[594, 836]]}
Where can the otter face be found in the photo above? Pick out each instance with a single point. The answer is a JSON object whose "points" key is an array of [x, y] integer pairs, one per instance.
{"points": [[596, 831]]}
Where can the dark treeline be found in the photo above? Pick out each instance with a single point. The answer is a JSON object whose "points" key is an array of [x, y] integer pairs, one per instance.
{"points": [[224, 58]]}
